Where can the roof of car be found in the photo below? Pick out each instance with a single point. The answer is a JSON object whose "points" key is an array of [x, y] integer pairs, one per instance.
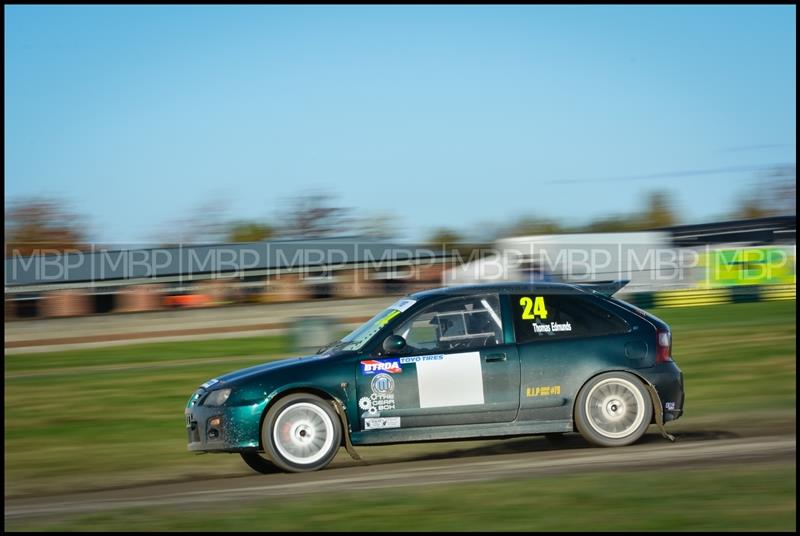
{"points": [[500, 288]]}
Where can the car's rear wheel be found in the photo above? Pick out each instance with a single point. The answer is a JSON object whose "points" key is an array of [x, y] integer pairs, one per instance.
{"points": [[301, 432], [613, 409], [259, 463]]}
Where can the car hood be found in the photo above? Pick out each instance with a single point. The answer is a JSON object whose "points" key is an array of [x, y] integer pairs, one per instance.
{"points": [[246, 373]]}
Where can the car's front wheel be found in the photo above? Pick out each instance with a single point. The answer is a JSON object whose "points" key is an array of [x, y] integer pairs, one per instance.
{"points": [[301, 432], [613, 409]]}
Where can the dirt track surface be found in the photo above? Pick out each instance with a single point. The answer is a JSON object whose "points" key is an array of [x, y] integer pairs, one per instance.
{"points": [[471, 465]]}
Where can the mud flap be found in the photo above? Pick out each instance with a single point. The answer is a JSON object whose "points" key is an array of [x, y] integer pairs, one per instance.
{"points": [[659, 412], [337, 405]]}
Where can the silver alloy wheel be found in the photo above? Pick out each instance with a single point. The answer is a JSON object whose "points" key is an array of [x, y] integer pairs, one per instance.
{"points": [[303, 433], [615, 408]]}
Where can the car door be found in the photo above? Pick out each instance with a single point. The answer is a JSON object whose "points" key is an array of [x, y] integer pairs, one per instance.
{"points": [[456, 369], [561, 339]]}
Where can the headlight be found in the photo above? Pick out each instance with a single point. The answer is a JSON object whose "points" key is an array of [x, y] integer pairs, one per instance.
{"points": [[217, 398]]}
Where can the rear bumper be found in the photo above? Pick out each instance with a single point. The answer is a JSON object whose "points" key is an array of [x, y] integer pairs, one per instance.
{"points": [[667, 378]]}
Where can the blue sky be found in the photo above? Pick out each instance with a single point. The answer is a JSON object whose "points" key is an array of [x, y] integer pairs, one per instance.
{"points": [[457, 116]]}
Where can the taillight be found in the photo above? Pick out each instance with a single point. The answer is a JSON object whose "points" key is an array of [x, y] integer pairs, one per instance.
{"points": [[663, 346]]}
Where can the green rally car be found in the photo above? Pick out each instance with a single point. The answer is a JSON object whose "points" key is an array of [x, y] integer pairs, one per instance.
{"points": [[452, 363]]}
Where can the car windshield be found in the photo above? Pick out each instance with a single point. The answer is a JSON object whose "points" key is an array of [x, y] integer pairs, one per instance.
{"points": [[359, 337]]}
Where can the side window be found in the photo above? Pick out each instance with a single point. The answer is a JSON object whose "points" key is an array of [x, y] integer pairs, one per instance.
{"points": [[559, 316], [454, 324]]}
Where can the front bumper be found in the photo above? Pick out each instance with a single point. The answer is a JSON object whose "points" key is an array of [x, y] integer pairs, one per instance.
{"points": [[224, 428]]}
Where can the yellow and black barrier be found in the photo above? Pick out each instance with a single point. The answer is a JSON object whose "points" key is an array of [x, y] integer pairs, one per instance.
{"points": [[779, 292], [712, 296], [688, 298]]}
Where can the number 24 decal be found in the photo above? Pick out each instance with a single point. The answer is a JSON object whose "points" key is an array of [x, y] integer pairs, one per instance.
{"points": [[537, 305]]}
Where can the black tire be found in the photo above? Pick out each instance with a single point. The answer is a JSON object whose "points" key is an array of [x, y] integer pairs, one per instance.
{"points": [[259, 463], [307, 422], [618, 412]]}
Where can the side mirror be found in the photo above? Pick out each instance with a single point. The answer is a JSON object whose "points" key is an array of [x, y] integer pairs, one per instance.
{"points": [[393, 344]]}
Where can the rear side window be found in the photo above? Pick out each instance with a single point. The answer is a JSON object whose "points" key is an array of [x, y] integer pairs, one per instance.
{"points": [[558, 316]]}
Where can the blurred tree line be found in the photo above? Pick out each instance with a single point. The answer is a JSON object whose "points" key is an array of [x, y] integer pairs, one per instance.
{"points": [[658, 213], [773, 194], [43, 223], [33, 224], [312, 215]]}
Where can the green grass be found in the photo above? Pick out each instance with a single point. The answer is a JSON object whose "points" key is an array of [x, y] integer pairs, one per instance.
{"points": [[78, 427], [71, 425], [150, 353], [738, 357], [729, 498]]}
